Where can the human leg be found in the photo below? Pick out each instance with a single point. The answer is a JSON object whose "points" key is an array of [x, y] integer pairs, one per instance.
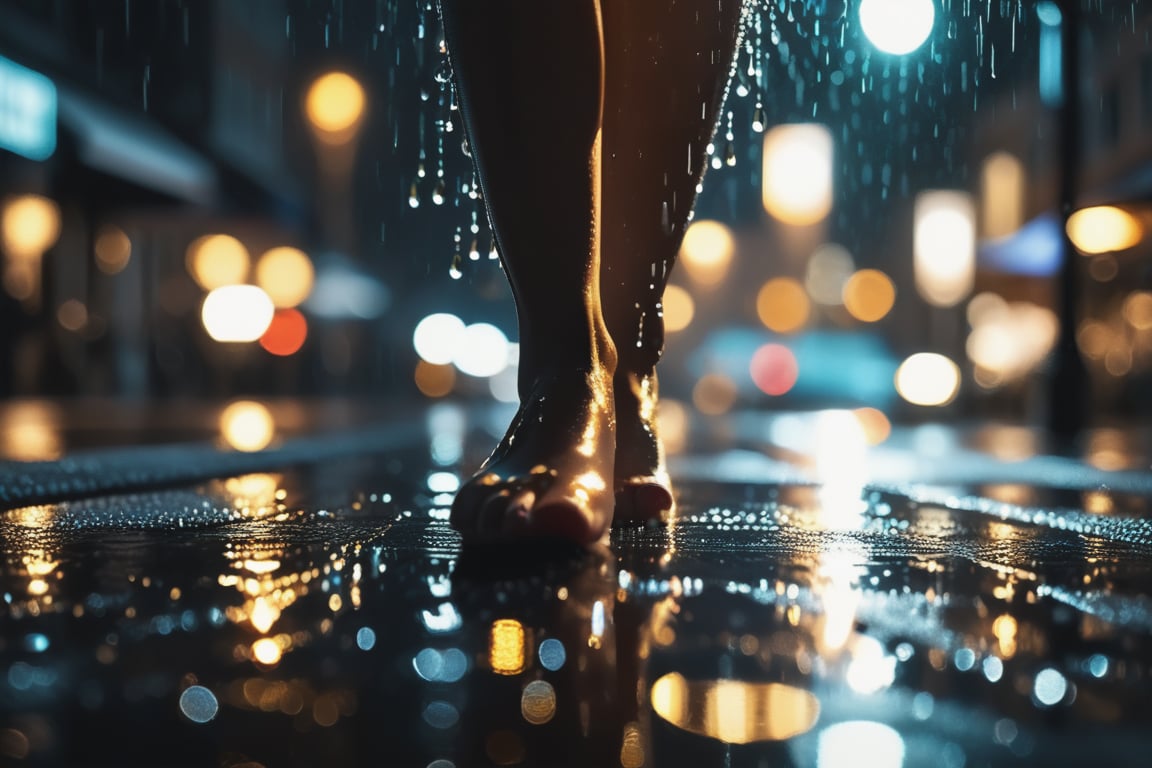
{"points": [[666, 73], [530, 80]]}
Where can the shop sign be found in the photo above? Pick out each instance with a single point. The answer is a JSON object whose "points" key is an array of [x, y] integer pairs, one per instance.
{"points": [[27, 111]]}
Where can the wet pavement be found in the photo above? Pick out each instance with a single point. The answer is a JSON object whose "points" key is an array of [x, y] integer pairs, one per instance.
{"points": [[949, 597]]}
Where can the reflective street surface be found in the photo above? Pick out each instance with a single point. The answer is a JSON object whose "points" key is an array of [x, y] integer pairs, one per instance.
{"points": [[945, 598]]}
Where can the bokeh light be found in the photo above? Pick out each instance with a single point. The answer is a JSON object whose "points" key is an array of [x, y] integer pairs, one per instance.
{"points": [[1002, 191], [266, 651], [72, 315], [679, 308], [31, 430], [774, 369], [335, 105], [482, 350], [1050, 687], [840, 745], [783, 305], [286, 333], [944, 246], [30, 225], [198, 704], [714, 394], [217, 260], [734, 711], [506, 640], [1104, 228], [237, 313], [673, 423], [797, 187], [435, 380], [437, 336], [1138, 310], [286, 275], [552, 654], [875, 425], [247, 426], [706, 251], [897, 26], [1094, 339], [538, 702], [1009, 341], [927, 378], [113, 250], [869, 295], [829, 268]]}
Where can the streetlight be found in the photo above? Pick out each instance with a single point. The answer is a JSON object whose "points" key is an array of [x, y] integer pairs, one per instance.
{"points": [[944, 246], [29, 226], [897, 26], [334, 106]]}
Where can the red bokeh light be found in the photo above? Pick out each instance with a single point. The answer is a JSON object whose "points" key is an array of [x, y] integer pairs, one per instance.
{"points": [[774, 369], [286, 334]]}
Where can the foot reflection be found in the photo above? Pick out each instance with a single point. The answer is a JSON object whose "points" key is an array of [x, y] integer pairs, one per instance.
{"points": [[546, 688]]}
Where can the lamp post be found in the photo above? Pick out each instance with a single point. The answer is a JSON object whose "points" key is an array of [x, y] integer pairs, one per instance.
{"points": [[334, 106], [1068, 395]]}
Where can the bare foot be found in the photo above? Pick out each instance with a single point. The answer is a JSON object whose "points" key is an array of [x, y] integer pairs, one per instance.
{"points": [[551, 474], [643, 488]]}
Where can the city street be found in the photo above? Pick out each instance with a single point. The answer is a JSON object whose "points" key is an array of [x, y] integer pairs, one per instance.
{"points": [[921, 602]]}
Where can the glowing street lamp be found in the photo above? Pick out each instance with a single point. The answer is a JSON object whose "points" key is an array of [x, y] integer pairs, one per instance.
{"points": [[706, 251], [334, 106], [944, 246], [797, 187], [897, 26], [29, 225]]}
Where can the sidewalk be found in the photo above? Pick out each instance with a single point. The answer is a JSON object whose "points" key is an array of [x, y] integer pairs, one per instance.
{"points": [[816, 602]]}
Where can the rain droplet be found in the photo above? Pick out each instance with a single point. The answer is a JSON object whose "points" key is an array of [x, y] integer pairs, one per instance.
{"points": [[413, 196], [443, 72]]}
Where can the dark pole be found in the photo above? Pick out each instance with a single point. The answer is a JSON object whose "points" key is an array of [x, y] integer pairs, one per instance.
{"points": [[1068, 401]]}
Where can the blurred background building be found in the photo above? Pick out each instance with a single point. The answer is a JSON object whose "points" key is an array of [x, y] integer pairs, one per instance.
{"points": [[203, 200]]}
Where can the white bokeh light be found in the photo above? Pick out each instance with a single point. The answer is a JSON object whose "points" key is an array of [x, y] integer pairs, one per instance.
{"points": [[897, 26], [944, 246], [1050, 687], [797, 172], [859, 742], [237, 313], [482, 350], [437, 336]]}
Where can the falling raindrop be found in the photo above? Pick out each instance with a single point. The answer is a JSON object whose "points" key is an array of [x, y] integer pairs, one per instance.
{"points": [[454, 270], [413, 196]]}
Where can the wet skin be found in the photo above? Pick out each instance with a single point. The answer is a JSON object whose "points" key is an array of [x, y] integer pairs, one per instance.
{"points": [[588, 219]]}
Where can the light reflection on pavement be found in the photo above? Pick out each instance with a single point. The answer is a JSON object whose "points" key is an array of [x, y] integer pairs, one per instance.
{"points": [[792, 615]]}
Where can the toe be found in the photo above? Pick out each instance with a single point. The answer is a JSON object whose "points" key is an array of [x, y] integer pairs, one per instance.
{"points": [[641, 502]]}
